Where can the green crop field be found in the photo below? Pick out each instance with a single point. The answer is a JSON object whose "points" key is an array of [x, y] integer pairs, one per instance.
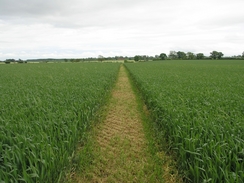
{"points": [[198, 107], [45, 109]]}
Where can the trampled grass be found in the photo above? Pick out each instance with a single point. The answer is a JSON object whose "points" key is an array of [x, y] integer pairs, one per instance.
{"points": [[45, 109], [198, 107], [123, 145]]}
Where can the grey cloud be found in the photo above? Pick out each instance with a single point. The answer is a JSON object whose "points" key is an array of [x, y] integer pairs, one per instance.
{"points": [[119, 26], [46, 7], [26, 7], [73, 13]]}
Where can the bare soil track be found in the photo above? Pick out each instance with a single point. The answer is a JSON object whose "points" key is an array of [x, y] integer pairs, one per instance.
{"points": [[120, 147]]}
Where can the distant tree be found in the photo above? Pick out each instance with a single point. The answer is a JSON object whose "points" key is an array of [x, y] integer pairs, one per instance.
{"points": [[200, 56], [144, 57], [8, 61], [100, 58], [20, 61], [235, 57], [190, 55], [156, 57], [243, 54], [137, 58], [163, 56], [172, 55], [220, 55], [216, 55], [181, 55]]}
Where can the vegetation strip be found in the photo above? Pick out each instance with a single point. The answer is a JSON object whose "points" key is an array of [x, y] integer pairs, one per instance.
{"points": [[120, 148], [197, 107], [45, 110]]}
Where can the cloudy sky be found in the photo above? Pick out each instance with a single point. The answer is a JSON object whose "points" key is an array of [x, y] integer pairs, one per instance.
{"points": [[88, 28]]}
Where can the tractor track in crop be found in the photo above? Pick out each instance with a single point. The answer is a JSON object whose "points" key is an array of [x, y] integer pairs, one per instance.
{"points": [[120, 146]]}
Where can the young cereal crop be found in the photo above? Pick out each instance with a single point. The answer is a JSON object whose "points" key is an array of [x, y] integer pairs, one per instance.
{"points": [[198, 107], [45, 109]]}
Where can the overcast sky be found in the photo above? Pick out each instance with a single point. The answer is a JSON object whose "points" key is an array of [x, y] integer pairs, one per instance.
{"points": [[88, 28]]}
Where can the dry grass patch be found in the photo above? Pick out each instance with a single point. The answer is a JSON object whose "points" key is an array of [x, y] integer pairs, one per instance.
{"points": [[120, 147]]}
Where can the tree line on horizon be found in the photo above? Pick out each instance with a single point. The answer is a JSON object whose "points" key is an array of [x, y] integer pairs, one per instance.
{"points": [[180, 55], [173, 55]]}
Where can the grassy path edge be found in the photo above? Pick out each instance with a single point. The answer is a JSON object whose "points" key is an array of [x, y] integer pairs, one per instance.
{"points": [[83, 155], [164, 165], [158, 150]]}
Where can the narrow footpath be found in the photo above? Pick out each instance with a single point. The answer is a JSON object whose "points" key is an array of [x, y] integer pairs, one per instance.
{"points": [[120, 147]]}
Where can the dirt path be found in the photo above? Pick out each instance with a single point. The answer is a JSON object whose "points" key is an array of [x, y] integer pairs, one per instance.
{"points": [[120, 146]]}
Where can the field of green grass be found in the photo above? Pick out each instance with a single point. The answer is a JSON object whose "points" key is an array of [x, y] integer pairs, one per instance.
{"points": [[45, 110], [198, 108]]}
